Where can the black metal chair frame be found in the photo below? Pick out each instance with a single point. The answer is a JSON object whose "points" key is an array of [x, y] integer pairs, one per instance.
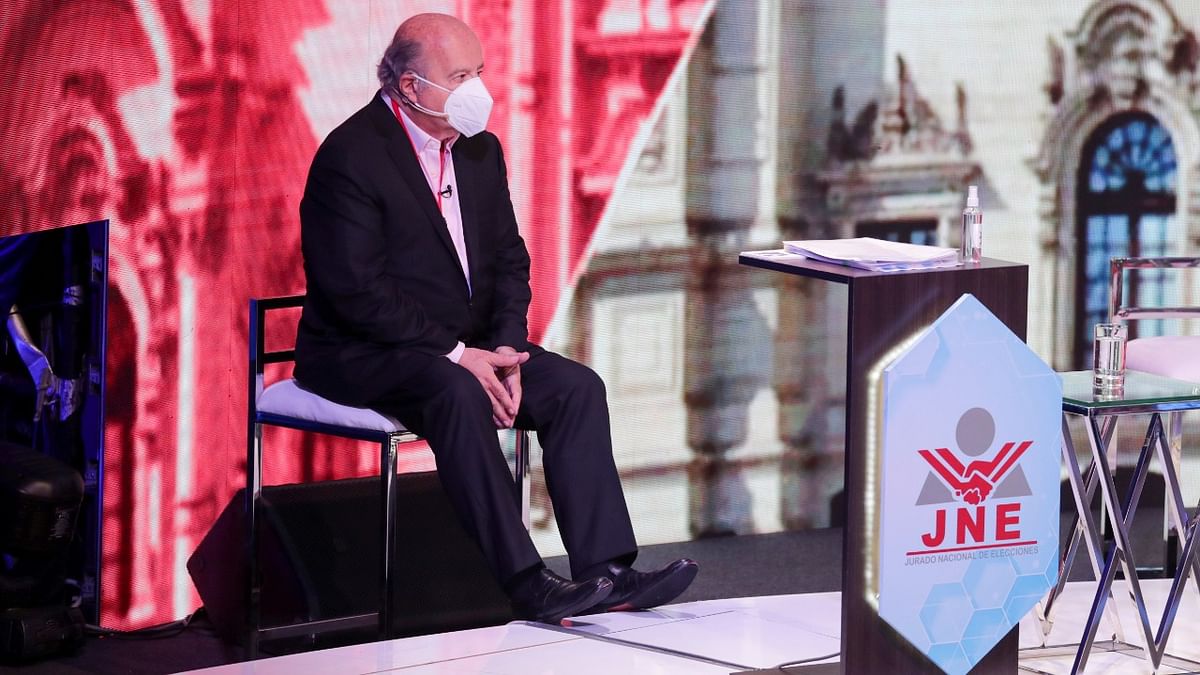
{"points": [[389, 443]]}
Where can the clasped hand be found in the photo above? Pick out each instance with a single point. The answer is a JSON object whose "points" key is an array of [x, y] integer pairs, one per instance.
{"points": [[499, 373]]}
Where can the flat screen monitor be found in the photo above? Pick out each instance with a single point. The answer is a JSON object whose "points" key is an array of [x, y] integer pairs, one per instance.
{"points": [[53, 291]]}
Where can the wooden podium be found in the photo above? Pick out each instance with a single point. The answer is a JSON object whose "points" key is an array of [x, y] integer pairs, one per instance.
{"points": [[884, 309]]}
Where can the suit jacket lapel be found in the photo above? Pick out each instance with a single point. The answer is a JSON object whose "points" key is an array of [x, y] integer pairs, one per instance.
{"points": [[400, 149], [464, 176]]}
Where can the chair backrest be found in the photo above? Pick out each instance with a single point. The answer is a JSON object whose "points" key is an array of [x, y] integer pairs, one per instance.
{"points": [[1119, 310], [259, 356]]}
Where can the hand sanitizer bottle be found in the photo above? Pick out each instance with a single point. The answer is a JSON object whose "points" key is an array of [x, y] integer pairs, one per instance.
{"points": [[972, 229]]}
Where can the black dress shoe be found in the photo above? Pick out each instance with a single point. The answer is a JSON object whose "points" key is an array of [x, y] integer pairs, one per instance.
{"points": [[549, 598], [642, 590]]}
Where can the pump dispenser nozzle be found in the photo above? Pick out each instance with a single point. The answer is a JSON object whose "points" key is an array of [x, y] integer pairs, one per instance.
{"points": [[973, 195]]}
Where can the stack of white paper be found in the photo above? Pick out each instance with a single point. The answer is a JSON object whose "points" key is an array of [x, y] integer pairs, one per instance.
{"points": [[877, 255]]}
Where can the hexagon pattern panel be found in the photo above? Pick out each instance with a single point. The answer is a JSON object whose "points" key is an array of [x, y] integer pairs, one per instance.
{"points": [[969, 486]]}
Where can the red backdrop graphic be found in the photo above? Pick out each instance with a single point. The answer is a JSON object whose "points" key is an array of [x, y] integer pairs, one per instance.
{"points": [[190, 125]]}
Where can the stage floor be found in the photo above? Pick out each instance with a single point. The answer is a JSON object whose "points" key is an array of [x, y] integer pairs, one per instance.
{"points": [[711, 636]]}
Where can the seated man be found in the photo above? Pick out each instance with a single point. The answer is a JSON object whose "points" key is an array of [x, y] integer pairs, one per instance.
{"points": [[418, 288]]}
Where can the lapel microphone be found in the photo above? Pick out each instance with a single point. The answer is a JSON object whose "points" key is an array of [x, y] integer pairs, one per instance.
{"points": [[448, 192]]}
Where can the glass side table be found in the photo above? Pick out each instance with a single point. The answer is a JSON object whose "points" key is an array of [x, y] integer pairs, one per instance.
{"points": [[1144, 394]]}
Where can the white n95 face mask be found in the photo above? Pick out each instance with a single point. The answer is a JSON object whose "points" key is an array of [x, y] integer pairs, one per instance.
{"points": [[467, 108]]}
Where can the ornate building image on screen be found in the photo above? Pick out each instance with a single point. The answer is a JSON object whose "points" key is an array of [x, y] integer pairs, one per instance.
{"points": [[822, 119], [648, 141], [191, 126]]}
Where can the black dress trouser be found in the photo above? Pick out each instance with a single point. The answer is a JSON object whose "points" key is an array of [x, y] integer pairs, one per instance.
{"points": [[565, 403]]}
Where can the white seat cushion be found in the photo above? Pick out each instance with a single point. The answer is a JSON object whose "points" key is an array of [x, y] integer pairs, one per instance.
{"points": [[288, 398], [1176, 357]]}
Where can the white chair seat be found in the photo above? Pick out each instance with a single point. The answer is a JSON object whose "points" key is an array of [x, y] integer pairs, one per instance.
{"points": [[1176, 357], [288, 398]]}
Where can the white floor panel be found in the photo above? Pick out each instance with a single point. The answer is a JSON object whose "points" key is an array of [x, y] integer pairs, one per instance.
{"points": [[1100, 663], [760, 632], [386, 656], [577, 656], [721, 635], [1072, 611]]}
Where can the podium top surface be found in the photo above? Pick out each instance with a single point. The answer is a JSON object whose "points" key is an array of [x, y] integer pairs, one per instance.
{"points": [[844, 274]]}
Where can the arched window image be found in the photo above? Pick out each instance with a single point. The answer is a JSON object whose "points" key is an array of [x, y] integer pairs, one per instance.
{"points": [[1127, 184]]}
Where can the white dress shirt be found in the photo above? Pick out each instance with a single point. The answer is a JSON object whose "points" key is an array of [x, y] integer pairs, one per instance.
{"points": [[430, 153]]}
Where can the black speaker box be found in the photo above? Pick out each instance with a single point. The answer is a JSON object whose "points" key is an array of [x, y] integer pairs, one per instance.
{"points": [[319, 558], [33, 633]]}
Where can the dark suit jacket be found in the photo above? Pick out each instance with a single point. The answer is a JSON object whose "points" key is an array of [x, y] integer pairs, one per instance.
{"points": [[386, 292]]}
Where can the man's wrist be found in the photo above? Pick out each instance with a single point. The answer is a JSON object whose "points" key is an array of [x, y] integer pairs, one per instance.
{"points": [[456, 353]]}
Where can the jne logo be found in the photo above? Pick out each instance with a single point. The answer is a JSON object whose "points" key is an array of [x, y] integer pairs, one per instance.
{"points": [[975, 490]]}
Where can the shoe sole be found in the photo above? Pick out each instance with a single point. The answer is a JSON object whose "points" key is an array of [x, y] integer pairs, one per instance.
{"points": [[661, 593]]}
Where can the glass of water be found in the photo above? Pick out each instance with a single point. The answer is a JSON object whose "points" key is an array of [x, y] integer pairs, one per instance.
{"points": [[1108, 358]]}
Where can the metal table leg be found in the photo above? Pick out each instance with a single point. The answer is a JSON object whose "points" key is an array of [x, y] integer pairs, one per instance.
{"points": [[1171, 532], [1083, 489], [1189, 560], [1121, 516]]}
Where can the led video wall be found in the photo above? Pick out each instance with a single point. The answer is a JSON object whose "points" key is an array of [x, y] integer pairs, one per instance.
{"points": [[648, 141], [190, 124]]}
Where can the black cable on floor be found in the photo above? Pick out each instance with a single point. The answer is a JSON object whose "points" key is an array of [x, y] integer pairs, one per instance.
{"points": [[164, 630], [792, 664]]}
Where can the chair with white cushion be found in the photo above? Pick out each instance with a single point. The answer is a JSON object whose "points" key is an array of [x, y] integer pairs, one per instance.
{"points": [[1173, 356], [286, 403]]}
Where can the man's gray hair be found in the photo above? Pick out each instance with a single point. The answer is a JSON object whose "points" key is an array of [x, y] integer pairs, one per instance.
{"points": [[400, 57]]}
